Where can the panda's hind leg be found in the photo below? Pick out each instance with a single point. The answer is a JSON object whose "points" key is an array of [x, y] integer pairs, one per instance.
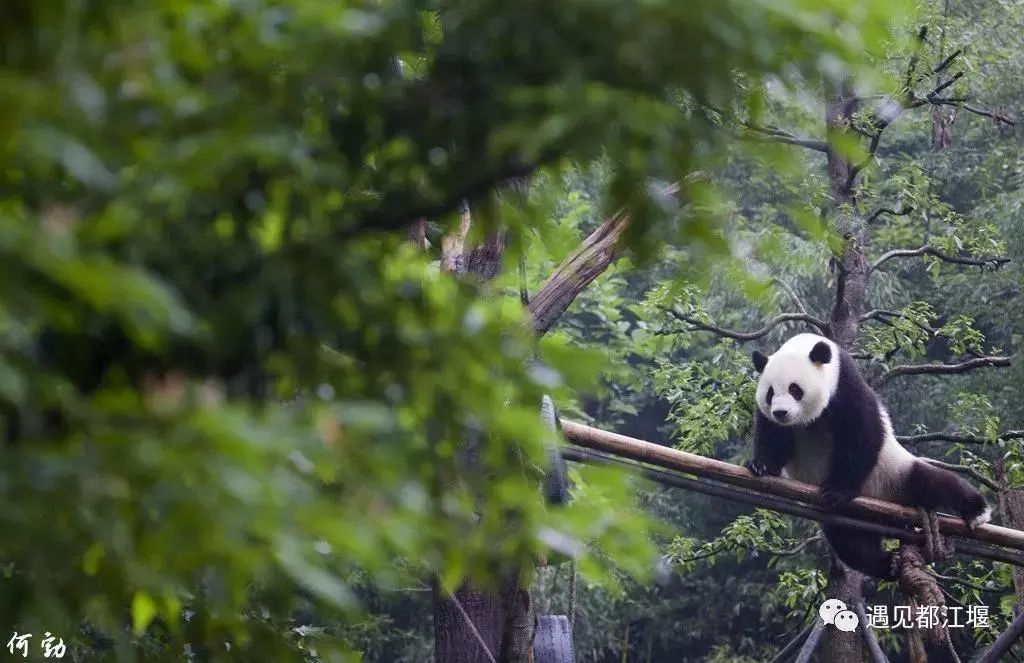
{"points": [[937, 489], [861, 550]]}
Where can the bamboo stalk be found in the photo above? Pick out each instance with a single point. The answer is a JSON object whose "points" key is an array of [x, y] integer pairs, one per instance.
{"points": [[865, 507]]}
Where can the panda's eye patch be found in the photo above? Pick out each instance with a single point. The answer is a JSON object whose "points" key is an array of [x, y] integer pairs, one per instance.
{"points": [[795, 391], [770, 395]]}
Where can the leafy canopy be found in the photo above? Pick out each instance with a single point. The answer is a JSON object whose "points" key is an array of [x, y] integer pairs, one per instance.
{"points": [[202, 205]]}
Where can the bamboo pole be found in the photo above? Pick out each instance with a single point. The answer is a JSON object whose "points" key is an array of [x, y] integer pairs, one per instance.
{"points": [[786, 505], [811, 643], [794, 644], [877, 655], [1005, 641], [864, 507]]}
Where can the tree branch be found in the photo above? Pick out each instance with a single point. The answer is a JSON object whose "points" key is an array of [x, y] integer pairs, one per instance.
{"points": [[948, 61], [882, 315], [903, 211], [960, 438], [786, 552], [705, 555], [576, 272], [770, 134], [586, 263], [966, 583], [792, 295], [934, 99], [945, 369], [959, 103], [856, 168], [942, 86], [786, 653], [729, 546], [963, 469], [922, 36], [892, 109], [930, 250], [697, 325]]}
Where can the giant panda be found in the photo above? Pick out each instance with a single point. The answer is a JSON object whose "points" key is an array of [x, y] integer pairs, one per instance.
{"points": [[819, 422]]}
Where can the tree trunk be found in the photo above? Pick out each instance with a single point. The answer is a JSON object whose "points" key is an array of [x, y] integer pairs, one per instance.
{"points": [[852, 271], [852, 266], [578, 271], [506, 621], [1011, 510], [453, 244], [454, 640], [418, 234]]}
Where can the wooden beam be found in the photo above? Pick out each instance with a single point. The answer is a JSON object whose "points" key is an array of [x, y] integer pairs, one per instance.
{"points": [[864, 507]]}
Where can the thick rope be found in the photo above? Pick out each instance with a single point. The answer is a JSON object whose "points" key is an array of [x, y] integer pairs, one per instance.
{"points": [[910, 564], [572, 594], [472, 627]]}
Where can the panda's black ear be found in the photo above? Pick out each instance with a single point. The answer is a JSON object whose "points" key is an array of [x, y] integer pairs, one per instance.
{"points": [[821, 353], [760, 359]]}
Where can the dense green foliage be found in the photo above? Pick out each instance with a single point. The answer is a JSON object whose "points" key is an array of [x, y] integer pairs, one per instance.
{"points": [[747, 579], [232, 397]]}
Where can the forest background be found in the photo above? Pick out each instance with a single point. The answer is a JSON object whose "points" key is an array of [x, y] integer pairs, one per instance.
{"points": [[264, 280]]}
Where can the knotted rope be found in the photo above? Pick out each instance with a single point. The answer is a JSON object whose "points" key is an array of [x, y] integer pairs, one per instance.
{"points": [[910, 564]]}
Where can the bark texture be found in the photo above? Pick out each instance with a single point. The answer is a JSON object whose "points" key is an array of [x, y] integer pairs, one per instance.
{"points": [[506, 620], [453, 244], [418, 234], [454, 640], [485, 260], [852, 267], [1011, 511], [852, 270], [578, 271]]}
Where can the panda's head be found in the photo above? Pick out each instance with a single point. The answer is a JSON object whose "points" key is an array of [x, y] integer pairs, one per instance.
{"points": [[797, 381]]}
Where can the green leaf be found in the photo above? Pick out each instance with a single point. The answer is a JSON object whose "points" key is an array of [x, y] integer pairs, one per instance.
{"points": [[143, 611]]}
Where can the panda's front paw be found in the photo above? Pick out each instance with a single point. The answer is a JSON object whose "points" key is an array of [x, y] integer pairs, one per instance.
{"points": [[756, 467], [835, 497], [759, 468]]}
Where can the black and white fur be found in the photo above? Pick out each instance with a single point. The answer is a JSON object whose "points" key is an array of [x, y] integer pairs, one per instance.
{"points": [[819, 422]]}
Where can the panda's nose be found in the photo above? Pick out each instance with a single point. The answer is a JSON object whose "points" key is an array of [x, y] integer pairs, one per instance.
{"points": [[780, 414]]}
